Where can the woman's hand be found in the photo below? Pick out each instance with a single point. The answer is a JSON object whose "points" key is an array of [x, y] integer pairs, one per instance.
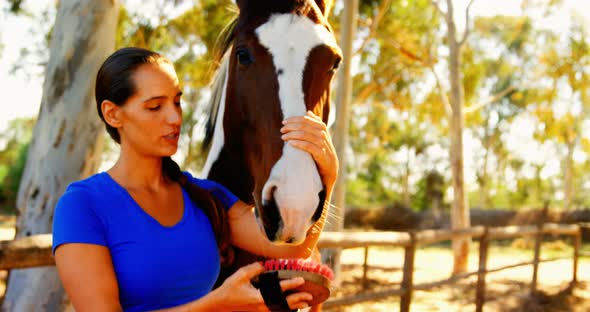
{"points": [[309, 133], [238, 294]]}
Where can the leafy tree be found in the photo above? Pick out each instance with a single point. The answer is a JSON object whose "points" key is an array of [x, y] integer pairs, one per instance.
{"points": [[429, 194], [563, 105], [395, 37], [454, 107], [501, 73], [15, 140], [11, 180]]}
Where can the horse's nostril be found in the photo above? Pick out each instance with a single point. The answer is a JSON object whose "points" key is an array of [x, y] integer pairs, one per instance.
{"points": [[320, 209], [271, 216], [290, 240]]}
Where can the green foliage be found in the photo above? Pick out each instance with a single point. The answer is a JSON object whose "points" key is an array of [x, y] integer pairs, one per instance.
{"points": [[13, 159], [398, 112], [15, 6], [11, 182], [430, 189], [387, 117]]}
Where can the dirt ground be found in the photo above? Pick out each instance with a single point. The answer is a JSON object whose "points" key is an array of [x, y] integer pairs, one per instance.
{"points": [[506, 290]]}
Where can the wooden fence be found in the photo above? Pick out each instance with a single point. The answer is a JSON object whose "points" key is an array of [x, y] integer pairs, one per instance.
{"points": [[35, 251], [412, 240]]}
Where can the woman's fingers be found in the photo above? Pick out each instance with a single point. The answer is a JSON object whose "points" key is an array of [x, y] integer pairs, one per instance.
{"points": [[315, 151], [292, 283], [306, 128], [248, 272], [299, 300], [310, 134], [296, 122]]}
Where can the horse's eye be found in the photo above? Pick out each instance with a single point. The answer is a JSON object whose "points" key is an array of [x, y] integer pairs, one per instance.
{"points": [[336, 64], [244, 56]]}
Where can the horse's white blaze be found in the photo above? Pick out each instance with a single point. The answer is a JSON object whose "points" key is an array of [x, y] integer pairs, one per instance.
{"points": [[218, 132], [290, 38]]}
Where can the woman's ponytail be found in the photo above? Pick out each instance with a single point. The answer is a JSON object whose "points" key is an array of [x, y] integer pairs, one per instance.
{"points": [[210, 205]]}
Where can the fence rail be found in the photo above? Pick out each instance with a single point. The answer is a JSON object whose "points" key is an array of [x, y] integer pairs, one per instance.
{"points": [[428, 237], [35, 251]]}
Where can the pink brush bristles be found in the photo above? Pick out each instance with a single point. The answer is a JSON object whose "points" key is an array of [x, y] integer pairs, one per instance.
{"points": [[298, 265], [317, 276]]}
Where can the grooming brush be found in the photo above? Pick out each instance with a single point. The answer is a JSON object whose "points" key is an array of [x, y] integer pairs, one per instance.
{"points": [[317, 276]]}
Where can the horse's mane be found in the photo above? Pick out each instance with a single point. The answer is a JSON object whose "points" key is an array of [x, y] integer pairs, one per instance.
{"points": [[221, 54]]}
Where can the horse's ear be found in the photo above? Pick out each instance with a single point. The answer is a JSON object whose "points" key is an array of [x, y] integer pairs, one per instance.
{"points": [[325, 6], [242, 4]]}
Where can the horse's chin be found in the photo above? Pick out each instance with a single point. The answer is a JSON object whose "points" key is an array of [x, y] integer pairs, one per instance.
{"points": [[273, 231], [274, 238]]}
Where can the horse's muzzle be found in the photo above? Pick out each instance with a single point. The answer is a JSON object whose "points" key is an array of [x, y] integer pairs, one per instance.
{"points": [[274, 224]]}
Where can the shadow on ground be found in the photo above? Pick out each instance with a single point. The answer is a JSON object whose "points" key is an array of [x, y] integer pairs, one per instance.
{"points": [[501, 294]]}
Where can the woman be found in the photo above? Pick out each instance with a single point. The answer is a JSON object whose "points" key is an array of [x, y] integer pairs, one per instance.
{"points": [[144, 235]]}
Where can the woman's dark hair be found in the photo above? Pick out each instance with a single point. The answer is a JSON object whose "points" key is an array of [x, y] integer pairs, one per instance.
{"points": [[114, 82]]}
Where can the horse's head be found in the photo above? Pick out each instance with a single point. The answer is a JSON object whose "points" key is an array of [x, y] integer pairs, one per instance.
{"points": [[281, 62]]}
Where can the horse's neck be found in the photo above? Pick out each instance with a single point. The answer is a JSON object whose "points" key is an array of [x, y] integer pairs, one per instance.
{"points": [[231, 171]]}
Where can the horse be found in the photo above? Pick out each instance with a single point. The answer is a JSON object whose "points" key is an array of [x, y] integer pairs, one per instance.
{"points": [[278, 60]]}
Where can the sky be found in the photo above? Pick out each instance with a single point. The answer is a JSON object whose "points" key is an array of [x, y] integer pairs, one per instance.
{"points": [[21, 94]]}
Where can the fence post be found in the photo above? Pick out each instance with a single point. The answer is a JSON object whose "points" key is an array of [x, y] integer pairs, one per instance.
{"points": [[365, 267], [577, 243], [480, 294], [408, 277], [538, 240]]}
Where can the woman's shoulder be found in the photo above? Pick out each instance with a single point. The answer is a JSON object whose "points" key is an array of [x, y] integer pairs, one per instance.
{"points": [[90, 185], [201, 182], [88, 189]]}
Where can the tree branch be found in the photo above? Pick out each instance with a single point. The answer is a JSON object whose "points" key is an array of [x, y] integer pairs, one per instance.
{"points": [[437, 7], [375, 86], [443, 94], [374, 24], [409, 54], [491, 99], [467, 28]]}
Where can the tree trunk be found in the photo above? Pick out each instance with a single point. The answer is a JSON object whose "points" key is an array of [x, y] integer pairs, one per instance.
{"points": [[406, 180], [460, 208], [484, 176], [436, 211], [343, 103], [66, 142], [540, 197], [483, 184], [568, 186]]}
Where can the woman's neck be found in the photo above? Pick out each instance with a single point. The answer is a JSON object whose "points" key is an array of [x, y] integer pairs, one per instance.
{"points": [[138, 172]]}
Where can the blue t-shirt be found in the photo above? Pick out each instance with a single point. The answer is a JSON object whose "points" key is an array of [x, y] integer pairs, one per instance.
{"points": [[156, 266]]}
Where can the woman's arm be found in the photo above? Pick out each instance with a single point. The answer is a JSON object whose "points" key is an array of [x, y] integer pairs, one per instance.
{"points": [[86, 271], [247, 234], [87, 274], [238, 294]]}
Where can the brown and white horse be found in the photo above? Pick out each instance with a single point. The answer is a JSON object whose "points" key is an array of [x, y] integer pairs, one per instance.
{"points": [[279, 61]]}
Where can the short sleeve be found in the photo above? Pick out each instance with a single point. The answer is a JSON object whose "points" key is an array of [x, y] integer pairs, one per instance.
{"points": [[227, 198], [75, 220]]}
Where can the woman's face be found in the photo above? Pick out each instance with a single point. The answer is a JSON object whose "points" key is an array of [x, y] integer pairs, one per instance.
{"points": [[150, 120]]}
